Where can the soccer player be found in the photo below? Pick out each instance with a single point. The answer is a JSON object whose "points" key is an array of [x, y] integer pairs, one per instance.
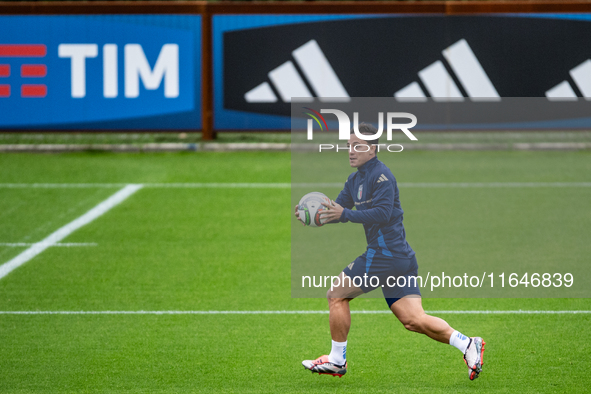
{"points": [[373, 191]]}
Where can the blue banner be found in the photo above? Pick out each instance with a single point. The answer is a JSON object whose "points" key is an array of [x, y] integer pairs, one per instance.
{"points": [[225, 117], [109, 72], [261, 62]]}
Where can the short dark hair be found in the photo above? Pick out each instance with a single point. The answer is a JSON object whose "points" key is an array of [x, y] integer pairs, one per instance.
{"points": [[368, 129]]}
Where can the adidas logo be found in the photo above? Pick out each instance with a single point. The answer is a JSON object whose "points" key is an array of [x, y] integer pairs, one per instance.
{"points": [[288, 83], [382, 178], [350, 266], [435, 79], [440, 84], [581, 75]]}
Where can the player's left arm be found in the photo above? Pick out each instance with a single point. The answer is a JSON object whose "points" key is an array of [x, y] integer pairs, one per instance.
{"points": [[332, 213], [382, 205]]}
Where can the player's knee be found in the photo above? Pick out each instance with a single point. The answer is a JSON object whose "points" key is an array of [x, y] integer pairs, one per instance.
{"points": [[412, 323], [333, 297]]}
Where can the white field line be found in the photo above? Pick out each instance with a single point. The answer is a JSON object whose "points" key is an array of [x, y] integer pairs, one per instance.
{"points": [[151, 185], [324, 312], [290, 185], [65, 244], [462, 184], [497, 184], [60, 185], [68, 229], [220, 185]]}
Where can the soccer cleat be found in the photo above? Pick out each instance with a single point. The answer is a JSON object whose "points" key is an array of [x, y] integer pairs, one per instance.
{"points": [[324, 367], [473, 357]]}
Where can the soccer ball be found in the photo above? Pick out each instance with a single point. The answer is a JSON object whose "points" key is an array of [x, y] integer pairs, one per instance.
{"points": [[310, 207]]}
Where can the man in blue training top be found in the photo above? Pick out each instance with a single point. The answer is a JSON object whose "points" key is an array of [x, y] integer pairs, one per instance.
{"points": [[373, 191]]}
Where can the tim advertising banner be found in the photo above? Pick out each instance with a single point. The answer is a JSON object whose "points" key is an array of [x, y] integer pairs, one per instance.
{"points": [[262, 61], [118, 72]]}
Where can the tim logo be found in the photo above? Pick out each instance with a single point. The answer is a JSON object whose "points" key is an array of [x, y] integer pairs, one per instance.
{"points": [[100, 72], [28, 72], [345, 124], [136, 68]]}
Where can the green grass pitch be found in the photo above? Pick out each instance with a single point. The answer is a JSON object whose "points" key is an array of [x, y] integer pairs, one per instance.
{"points": [[188, 249]]}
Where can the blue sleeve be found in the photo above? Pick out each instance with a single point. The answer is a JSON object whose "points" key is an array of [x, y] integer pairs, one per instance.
{"points": [[382, 205], [345, 199]]}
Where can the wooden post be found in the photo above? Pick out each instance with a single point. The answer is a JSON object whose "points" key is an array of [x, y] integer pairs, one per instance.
{"points": [[208, 133]]}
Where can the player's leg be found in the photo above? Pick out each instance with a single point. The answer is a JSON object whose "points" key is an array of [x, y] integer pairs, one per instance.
{"points": [[409, 310], [338, 305], [404, 301], [339, 296]]}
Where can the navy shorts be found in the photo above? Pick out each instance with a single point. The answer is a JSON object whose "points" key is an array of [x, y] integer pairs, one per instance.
{"points": [[397, 277]]}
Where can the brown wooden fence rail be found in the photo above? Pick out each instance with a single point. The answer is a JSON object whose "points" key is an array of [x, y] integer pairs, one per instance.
{"points": [[208, 9]]}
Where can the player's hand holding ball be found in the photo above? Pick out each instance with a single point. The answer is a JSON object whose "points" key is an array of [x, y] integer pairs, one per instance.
{"points": [[312, 208], [297, 214], [332, 212]]}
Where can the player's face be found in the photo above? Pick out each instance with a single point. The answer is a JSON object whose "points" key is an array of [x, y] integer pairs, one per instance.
{"points": [[360, 155]]}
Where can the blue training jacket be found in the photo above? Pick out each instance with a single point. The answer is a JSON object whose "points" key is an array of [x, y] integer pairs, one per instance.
{"points": [[373, 191]]}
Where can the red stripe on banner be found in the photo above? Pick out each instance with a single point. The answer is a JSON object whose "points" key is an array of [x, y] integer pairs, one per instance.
{"points": [[34, 50], [4, 70], [33, 70], [33, 91], [4, 90]]}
